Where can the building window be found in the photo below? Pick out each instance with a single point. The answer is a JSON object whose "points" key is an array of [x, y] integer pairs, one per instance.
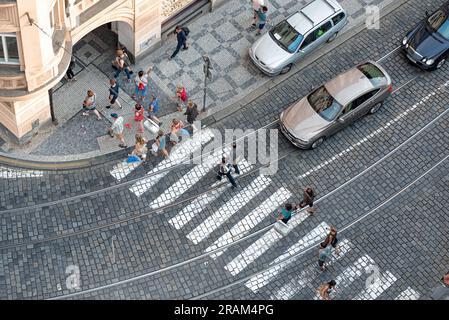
{"points": [[9, 51]]}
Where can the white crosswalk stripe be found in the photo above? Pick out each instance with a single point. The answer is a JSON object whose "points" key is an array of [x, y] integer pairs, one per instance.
{"points": [[200, 203], [260, 280], [251, 220], [306, 276], [261, 245], [352, 273], [374, 290], [10, 173], [178, 154], [122, 169], [189, 179], [228, 209], [408, 294]]}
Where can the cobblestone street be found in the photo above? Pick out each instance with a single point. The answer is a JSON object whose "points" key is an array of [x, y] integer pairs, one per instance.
{"points": [[168, 229]]}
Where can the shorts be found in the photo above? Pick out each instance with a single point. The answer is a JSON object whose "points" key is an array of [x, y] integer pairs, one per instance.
{"points": [[285, 220], [119, 136], [261, 26], [141, 92]]}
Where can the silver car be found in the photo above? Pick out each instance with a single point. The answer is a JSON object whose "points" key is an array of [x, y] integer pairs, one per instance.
{"points": [[336, 104], [298, 35]]}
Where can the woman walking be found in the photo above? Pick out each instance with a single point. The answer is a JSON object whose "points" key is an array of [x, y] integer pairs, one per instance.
{"points": [[139, 117], [192, 113], [159, 144], [308, 197], [325, 289], [285, 214], [331, 240], [141, 84], [140, 148], [181, 97], [90, 104], [176, 126]]}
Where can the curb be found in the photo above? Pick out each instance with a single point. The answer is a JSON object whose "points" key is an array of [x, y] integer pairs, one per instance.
{"points": [[90, 159]]}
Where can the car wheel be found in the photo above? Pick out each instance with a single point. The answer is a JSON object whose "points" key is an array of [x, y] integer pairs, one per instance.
{"points": [[375, 108], [440, 63], [287, 68], [332, 38], [317, 143]]}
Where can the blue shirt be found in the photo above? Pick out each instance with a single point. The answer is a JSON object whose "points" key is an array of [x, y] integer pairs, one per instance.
{"points": [[181, 36], [286, 214], [155, 105], [262, 16], [325, 253]]}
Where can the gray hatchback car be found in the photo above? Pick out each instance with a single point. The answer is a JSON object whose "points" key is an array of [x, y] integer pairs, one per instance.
{"points": [[336, 104], [298, 35]]}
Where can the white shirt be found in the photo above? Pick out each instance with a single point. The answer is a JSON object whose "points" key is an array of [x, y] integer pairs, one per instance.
{"points": [[257, 4], [117, 126]]}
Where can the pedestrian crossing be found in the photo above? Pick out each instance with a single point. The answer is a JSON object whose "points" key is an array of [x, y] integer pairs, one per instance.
{"points": [[284, 287], [10, 173]]}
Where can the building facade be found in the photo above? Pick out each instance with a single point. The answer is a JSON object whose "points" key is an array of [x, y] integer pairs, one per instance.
{"points": [[37, 36]]}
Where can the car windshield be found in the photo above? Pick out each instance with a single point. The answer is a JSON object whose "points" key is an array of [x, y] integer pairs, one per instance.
{"points": [[373, 73], [439, 22], [324, 104], [286, 36]]}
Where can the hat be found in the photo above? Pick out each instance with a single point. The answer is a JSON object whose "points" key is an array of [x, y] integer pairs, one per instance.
{"points": [[114, 115]]}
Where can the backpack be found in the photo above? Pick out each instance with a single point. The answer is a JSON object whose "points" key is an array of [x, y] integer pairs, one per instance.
{"points": [[126, 60], [186, 30]]}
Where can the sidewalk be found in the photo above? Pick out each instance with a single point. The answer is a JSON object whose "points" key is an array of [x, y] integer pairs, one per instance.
{"points": [[224, 35]]}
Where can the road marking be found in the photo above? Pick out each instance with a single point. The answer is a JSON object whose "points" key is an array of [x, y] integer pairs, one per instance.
{"points": [[352, 273], [262, 279], [377, 132], [408, 294], [189, 179], [251, 220], [201, 202], [122, 169], [228, 209], [377, 288], [389, 53], [177, 155], [261, 245], [306, 276], [10, 173]]}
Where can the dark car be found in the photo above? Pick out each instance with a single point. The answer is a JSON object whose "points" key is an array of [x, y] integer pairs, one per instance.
{"points": [[427, 44]]}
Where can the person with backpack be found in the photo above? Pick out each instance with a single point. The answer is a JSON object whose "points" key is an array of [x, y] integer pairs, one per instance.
{"points": [[181, 37], [122, 63]]}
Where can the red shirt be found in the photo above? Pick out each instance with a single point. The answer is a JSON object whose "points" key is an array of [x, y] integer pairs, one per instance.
{"points": [[139, 115]]}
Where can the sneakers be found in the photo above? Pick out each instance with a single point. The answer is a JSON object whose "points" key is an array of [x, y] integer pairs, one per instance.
{"points": [[85, 114], [122, 146], [108, 107]]}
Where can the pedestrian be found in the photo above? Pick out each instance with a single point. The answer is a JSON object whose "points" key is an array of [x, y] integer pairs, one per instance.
{"points": [[153, 109], [181, 97], [113, 94], [256, 6], [140, 148], [90, 104], [262, 15], [70, 74], [325, 289], [182, 41], [285, 213], [308, 197], [446, 279], [159, 144], [175, 129], [235, 158], [331, 240], [122, 63], [117, 129], [139, 116], [191, 113], [323, 254], [141, 84], [225, 170]]}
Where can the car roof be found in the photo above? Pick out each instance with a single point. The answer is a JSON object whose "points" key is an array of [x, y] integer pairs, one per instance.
{"points": [[348, 86], [313, 14]]}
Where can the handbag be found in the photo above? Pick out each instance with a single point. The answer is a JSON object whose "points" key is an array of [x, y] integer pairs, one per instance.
{"points": [[141, 86]]}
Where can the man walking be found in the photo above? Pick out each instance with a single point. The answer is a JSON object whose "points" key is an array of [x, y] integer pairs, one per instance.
{"points": [[113, 94], [309, 196], [263, 18], [117, 129], [225, 170], [182, 41]]}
